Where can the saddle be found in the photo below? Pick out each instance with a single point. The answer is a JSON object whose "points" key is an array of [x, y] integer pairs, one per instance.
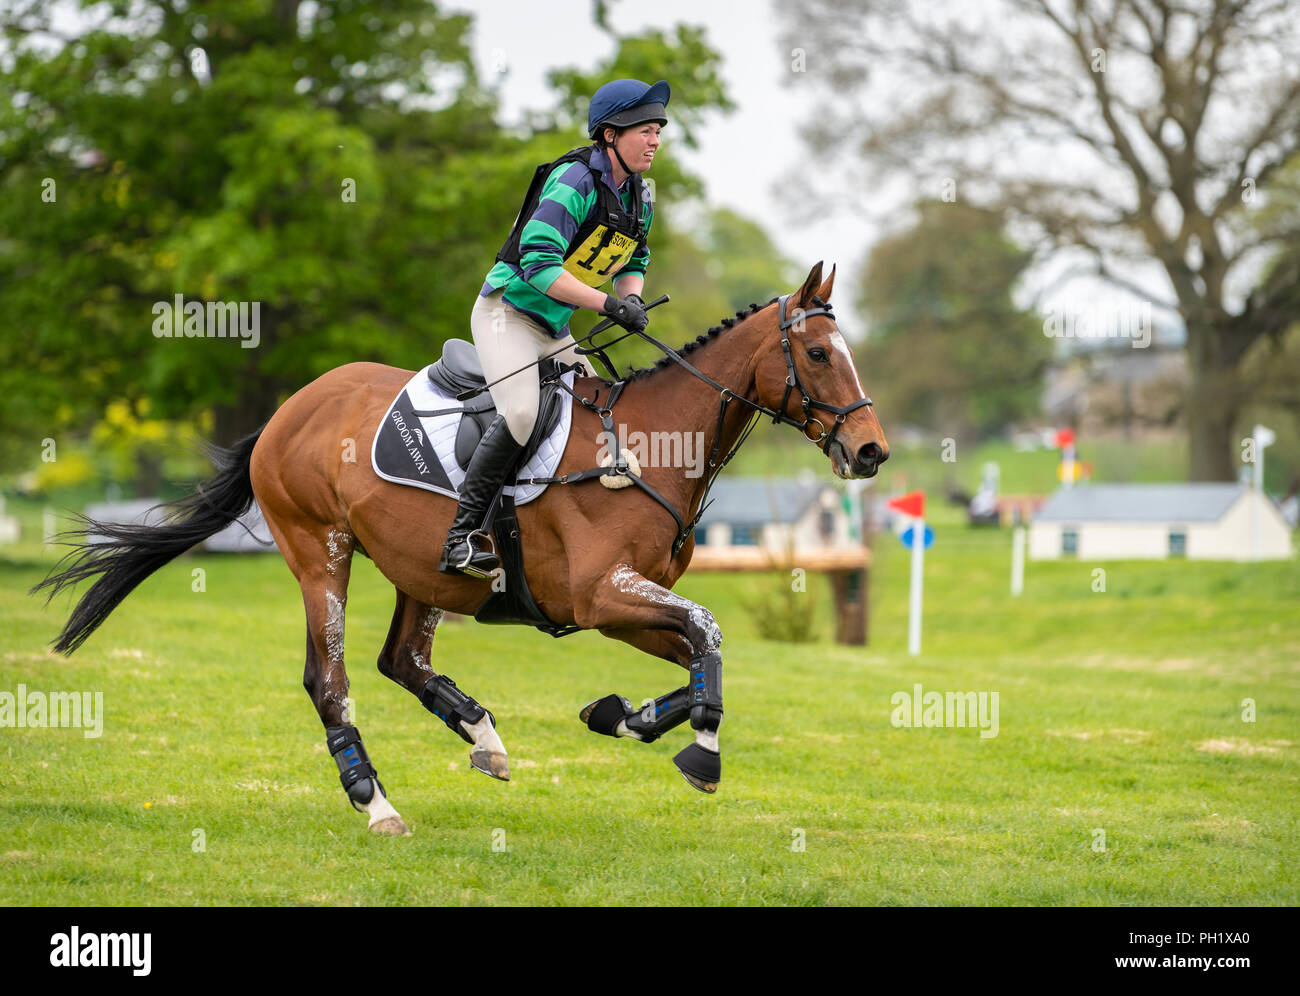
{"points": [[458, 372]]}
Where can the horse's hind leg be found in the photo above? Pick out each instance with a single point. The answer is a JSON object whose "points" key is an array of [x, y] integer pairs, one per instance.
{"points": [[406, 660], [324, 583]]}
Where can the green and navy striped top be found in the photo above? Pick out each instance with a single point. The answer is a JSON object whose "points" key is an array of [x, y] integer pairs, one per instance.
{"points": [[568, 198]]}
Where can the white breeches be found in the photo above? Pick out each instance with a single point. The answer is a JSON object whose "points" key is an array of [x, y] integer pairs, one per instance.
{"points": [[506, 339]]}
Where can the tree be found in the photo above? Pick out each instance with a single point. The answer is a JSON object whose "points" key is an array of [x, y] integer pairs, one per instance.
{"points": [[745, 262], [1125, 131], [338, 164], [948, 350], [282, 155]]}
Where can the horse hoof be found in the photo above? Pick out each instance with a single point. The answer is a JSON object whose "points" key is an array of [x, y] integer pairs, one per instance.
{"points": [[606, 715], [701, 767], [494, 764], [709, 787], [390, 826]]}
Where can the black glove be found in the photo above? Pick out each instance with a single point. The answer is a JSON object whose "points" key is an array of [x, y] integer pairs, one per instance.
{"points": [[628, 312]]}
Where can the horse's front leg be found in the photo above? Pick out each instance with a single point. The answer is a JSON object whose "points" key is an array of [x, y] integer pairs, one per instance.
{"points": [[615, 716], [627, 606]]}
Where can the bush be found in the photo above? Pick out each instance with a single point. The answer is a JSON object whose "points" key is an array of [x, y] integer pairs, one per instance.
{"points": [[779, 611]]}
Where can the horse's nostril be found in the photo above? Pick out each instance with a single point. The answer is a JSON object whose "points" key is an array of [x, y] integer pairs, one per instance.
{"points": [[871, 454]]}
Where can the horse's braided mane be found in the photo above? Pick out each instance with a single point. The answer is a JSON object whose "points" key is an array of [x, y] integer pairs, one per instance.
{"points": [[697, 342]]}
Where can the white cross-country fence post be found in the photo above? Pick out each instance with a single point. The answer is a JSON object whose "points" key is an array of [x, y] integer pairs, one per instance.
{"points": [[1263, 437], [913, 505]]}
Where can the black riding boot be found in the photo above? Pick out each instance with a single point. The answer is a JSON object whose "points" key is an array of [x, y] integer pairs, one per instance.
{"points": [[483, 478]]}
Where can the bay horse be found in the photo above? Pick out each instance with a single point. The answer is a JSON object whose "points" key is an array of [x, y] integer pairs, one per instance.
{"points": [[597, 558]]}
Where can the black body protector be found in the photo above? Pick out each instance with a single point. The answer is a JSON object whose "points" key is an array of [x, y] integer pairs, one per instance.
{"points": [[604, 242]]}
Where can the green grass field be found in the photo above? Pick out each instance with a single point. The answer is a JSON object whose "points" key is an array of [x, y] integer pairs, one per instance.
{"points": [[1120, 714]]}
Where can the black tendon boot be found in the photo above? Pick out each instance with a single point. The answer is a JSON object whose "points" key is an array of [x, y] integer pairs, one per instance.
{"points": [[469, 551]]}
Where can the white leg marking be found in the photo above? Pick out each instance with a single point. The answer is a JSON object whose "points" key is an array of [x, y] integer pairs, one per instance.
{"points": [[485, 735], [622, 731], [707, 740], [488, 754], [630, 582], [379, 808]]}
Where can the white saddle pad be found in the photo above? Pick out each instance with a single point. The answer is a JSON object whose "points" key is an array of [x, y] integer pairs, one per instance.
{"points": [[420, 450]]}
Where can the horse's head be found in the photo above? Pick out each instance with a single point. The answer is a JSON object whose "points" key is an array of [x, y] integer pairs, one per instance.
{"points": [[808, 375]]}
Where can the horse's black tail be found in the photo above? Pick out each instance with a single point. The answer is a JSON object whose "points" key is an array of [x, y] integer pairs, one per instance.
{"points": [[123, 555]]}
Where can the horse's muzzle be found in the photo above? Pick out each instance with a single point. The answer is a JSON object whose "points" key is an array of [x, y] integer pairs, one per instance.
{"points": [[864, 463], [868, 459]]}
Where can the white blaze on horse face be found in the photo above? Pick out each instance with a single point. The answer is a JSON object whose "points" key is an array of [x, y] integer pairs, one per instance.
{"points": [[841, 346], [629, 582]]}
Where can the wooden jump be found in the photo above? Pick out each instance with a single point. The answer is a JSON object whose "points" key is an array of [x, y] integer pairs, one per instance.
{"points": [[847, 567]]}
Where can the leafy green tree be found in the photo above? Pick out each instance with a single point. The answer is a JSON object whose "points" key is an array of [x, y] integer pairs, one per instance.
{"points": [[337, 163], [280, 154], [948, 349]]}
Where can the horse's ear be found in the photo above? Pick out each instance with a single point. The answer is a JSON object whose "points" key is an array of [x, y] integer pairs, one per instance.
{"points": [[810, 286], [825, 292]]}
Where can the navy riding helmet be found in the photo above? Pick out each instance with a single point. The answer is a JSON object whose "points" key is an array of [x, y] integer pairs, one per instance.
{"points": [[623, 103]]}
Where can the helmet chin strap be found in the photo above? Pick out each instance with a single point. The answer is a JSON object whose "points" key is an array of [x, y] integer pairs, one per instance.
{"points": [[627, 169]]}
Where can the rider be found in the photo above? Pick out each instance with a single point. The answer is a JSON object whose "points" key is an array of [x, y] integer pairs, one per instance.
{"points": [[590, 221]]}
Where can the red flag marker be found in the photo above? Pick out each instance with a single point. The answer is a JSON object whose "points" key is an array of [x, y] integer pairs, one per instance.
{"points": [[912, 503]]}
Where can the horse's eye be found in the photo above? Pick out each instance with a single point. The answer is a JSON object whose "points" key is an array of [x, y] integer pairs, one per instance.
{"points": [[818, 355]]}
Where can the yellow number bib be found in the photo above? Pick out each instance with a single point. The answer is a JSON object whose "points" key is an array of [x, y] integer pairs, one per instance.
{"points": [[593, 263]]}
